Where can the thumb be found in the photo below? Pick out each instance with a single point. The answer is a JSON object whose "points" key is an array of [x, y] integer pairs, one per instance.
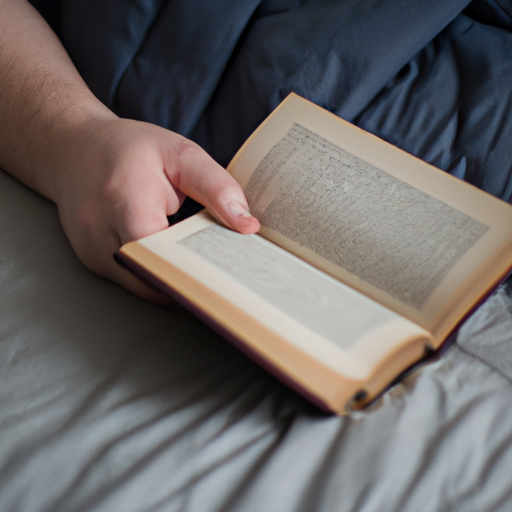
{"points": [[198, 176]]}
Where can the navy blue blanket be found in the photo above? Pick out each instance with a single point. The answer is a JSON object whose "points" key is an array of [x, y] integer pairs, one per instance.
{"points": [[431, 77]]}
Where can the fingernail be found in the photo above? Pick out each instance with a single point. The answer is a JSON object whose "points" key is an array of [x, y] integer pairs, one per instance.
{"points": [[239, 210]]}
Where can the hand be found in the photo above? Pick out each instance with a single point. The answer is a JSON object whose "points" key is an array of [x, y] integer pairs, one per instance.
{"points": [[123, 178], [113, 180]]}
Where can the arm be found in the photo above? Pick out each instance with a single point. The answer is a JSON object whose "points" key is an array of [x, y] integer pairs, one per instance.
{"points": [[113, 180]]}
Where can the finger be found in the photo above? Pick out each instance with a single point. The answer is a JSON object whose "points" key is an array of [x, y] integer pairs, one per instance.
{"points": [[197, 175], [144, 212], [139, 222], [139, 200]]}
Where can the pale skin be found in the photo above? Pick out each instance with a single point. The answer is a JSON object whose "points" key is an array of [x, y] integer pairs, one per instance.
{"points": [[113, 180]]}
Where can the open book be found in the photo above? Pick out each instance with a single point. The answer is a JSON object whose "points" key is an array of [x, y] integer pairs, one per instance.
{"points": [[367, 259]]}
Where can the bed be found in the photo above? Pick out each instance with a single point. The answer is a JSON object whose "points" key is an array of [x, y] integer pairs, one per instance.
{"points": [[109, 403]]}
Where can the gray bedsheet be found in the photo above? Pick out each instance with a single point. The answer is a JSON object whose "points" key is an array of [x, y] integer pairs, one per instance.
{"points": [[110, 404]]}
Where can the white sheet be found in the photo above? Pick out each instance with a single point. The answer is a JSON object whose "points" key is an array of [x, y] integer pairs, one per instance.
{"points": [[107, 403]]}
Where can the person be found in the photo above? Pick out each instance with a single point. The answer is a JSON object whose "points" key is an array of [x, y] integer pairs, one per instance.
{"points": [[431, 79], [113, 180]]}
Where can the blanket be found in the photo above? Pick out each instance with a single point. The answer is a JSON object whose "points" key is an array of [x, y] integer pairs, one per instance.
{"points": [[430, 77]]}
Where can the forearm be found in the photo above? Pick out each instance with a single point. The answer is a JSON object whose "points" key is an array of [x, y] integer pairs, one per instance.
{"points": [[43, 100], [113, 180]]}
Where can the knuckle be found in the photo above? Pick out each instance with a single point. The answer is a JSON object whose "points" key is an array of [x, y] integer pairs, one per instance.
{"points": [[187, 154], [185, 148]]}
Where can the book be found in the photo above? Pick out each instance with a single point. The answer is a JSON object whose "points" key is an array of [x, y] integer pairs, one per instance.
{"points": [[367, 258]]}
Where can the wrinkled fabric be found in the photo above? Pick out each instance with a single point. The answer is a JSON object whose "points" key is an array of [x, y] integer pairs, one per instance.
{"points": [[430, 77], [451, 105], [161, 59], [108, 403]]}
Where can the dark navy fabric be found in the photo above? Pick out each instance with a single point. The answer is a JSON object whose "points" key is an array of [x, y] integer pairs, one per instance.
{"points": [[154, 60], [339, 54], [451, 105], [497, 13], [158, 60], [50, 9], [431, 77]]}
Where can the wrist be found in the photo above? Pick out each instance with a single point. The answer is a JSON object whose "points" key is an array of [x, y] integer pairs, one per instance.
{"points": [[68, 148]]}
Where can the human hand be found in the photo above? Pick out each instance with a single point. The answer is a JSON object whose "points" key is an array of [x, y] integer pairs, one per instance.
{"points": [[123, 178], [113, 180]]}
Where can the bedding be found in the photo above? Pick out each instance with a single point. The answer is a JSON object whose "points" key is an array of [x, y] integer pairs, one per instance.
{"points": [[109, 403], [430, 77]]}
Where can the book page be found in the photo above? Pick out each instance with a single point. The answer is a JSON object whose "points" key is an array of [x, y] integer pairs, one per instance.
{"points": [[322, 317], [310, 297], [406, 234], [383, 231]]}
